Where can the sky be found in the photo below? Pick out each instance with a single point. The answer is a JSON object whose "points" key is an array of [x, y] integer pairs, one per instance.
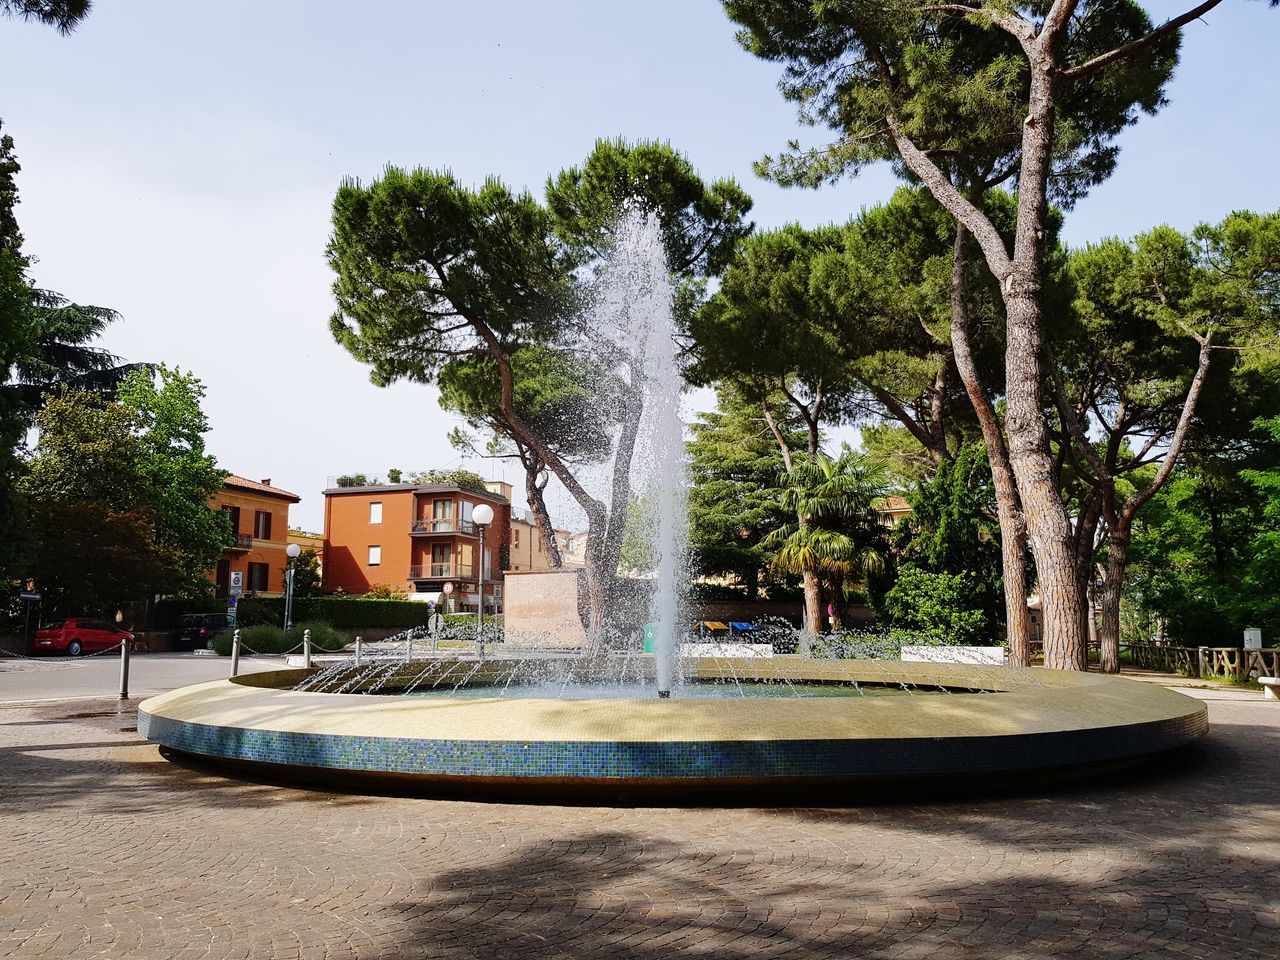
{"points": [[179, 162]]}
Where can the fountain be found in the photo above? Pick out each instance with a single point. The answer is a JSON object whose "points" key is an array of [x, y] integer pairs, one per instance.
{"points": [[590, 727]]}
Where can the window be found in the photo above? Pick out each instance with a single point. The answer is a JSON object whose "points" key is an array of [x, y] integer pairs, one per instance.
{"points": [[375, 512], [442, 509], [465, 509], [233, 515], [487, 563], [375, 556], [515, 537], [261, 525], [258, 576]]}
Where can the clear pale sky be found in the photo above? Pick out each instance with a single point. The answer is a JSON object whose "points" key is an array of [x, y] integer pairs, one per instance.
{"points": [[179, 160]]}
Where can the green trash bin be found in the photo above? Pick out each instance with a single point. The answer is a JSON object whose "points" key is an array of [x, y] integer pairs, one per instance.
{"points": [[648, 638]]}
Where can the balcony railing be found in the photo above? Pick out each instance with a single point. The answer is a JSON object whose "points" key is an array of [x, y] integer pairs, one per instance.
{"points": [[241, 541], [444, 525], [441, 571]]}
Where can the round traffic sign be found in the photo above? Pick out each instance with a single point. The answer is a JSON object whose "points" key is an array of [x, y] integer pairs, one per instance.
{"points": [[448, 588]]}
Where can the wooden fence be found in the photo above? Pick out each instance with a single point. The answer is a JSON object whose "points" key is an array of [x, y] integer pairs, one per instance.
{"points": [[1236, 663]]}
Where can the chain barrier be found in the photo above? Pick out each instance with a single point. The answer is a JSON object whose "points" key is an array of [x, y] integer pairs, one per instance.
{"points": [[57, 661]]}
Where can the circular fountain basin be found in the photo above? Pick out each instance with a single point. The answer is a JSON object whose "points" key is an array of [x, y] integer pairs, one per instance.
{"points": [[1026, 725]]}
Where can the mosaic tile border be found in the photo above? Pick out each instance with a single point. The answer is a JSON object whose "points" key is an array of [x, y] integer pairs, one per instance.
{"points": [[688, 761]]}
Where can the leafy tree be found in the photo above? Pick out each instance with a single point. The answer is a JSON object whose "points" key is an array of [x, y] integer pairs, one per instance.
{"points": [[701, 222], [940, 608], [561, 396], [88, 558], [837, 533], [137, 466], [44, 344], [735, 497], [963, 97], [174, 468], [1149, 318], [306, 574], [952, 530], [430, 272], [1188, 577]]}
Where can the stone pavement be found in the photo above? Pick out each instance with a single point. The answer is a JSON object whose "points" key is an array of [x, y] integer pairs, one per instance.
{"points": [[107, 850]]}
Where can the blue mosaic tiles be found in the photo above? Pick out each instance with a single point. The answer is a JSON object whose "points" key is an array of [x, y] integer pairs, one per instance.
{"points": [[758, 760]]}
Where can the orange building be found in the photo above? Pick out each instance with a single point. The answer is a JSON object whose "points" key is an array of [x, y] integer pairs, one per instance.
{"points": [[415, 538], [259, 515], [528, 546]]}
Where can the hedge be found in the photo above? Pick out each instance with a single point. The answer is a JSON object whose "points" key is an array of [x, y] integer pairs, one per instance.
{"points": [[266, 639], [342, 612]]}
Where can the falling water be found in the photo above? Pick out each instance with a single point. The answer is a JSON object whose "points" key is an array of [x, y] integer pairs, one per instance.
{"points": [[637, 291]]}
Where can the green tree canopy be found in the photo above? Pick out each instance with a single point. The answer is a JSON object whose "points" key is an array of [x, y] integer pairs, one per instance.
{"points": [[735, 490], [701, 222]]}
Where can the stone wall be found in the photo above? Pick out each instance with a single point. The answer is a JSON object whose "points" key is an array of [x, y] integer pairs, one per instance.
{"points": [[541, 610]]}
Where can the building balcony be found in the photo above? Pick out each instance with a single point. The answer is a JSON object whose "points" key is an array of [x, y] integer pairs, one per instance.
{"points": [[442, 571], [447, 525], [241, 543]]}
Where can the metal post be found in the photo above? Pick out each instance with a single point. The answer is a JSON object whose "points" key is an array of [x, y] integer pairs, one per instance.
{"points": [[1202, 661], [480, 605], [306, 649], [124, 670], [288, 596], [359, 649], [235, 653]]}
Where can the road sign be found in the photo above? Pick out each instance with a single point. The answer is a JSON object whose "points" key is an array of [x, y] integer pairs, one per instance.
{"points": [[236, 586], [431, 604], [231, 602], [448, 588], [30, 595]]}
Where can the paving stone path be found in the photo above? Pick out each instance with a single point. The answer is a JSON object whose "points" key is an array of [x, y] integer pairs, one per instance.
{"points": [[107, 850]]}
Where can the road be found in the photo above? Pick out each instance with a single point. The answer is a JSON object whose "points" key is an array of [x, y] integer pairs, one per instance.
{"points": [[99, 676]]}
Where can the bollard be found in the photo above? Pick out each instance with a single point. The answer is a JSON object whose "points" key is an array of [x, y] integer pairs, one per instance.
{"points": [[1202, 661], [359, 645], [124, 670], [235, 653], [408, 646], [306, 649]]}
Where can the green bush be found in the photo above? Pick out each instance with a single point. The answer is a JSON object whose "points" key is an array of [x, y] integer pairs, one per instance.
{"points": [[269, 639], [936, 608]]}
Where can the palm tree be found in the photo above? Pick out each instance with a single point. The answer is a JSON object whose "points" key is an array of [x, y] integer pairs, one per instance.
{"points": [[65, 15], [837, 533]]}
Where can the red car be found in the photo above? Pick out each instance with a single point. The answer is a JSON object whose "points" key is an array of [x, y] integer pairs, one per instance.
{"points": [[79, 635]]}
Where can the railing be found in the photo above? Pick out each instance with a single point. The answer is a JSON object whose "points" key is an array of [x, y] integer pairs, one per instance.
{"points": [[1236, 663], [440, 571], [243, 541], [444, 525]]}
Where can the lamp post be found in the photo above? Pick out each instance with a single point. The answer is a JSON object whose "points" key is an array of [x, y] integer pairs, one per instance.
{"points": [[292, 550], [483, 516]]}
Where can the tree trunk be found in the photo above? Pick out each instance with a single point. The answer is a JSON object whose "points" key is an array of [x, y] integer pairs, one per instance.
{"points": [[1112, 585], [533, 491], [1013, 530], [1048, 527], [812, 603]]}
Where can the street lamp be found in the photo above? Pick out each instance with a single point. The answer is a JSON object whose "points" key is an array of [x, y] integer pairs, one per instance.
{"points": [[483, 516], [292, 551]]}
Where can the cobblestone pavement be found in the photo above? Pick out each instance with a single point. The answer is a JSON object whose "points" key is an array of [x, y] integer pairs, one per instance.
{"points": [[109, 850]]}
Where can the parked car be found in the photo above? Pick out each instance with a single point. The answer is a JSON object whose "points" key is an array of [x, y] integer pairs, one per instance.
{"points": [[79, 635], [195, 630]]}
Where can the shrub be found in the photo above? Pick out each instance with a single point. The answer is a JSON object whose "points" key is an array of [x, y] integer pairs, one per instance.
{"points": [[936, 608], [268, 639]]}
